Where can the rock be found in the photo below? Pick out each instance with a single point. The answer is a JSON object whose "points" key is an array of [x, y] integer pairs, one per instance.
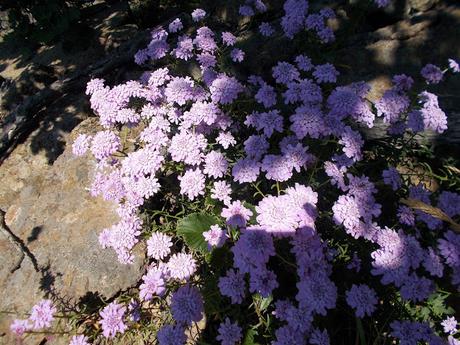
{"points": [[422, 5], [52, 213]]}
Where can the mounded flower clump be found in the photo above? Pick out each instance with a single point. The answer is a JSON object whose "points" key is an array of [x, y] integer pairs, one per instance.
{"points": [[306, 221]]}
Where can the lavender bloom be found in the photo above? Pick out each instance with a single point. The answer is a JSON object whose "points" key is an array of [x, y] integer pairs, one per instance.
{"points": [[391, 177], [325, 73], [187, 304], [392, 105], [152, 284], [317, 293], [308, 121], [287, 335], [228, 38], [206, 61], [406, 216], [79, 340], [225, 89], [184, 49], [175, 25], [402, 82], [449, 247], [276, 215], [226, 139], [215, 237], [450, 325], [454, 66], [198, 14], [221, 191], [233, 286], [246, 170], [19, 327], [237, 55], [81, 145], [112, 320], [104, 144], [266, 95], [180, 90], [256, 146], [284, 72], [263, 281], [187, 147], [318, 337], [159, 245], [215, 164], [294, 17], [42, 314], [236, 214], [304, 63], [266, 29], [432, 74], [192, 183], [450, 203], [432, 263], [277, 167], [430, 116], [253, 249], [382, 3], [181, 266], [171, 335], [246, 11], [411, 332], [229, 333], [352, 143], [363, 299]]}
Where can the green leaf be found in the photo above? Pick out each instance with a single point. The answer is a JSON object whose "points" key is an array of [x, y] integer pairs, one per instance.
{"points": [[249, 337], [191, 229]]}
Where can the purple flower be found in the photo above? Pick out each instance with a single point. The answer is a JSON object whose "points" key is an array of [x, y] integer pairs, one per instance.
{"points": [[228, 38], [187, 304], [430, 116], [42, 314], [352, 143], [317, 293], [325, 73], [392, 105], [402, 82], [308, 121], [171, 335], [304, 63], [318, 337], [266, 29], [293, 20], [406, 216], [159, 245], [237, 55], [192, 183], [246, 11], [229, 333], [215, 164], [19, 327], [236, 214], [221, 190], [362, 299], [256, 146], [284, 72], [432, 74], [233, 286], [450, 325], [180, 90], [382, 3], [454, 66], [215, 237], [112, 320], [187, 147], [253, 249], [263, 281], [198, 14], [277, 167], [276, 215], [175, 25], [104, 144], [411, 332], [81, 145], [184, 49], [79, 340], [391, 177], [152, 284], [225, 89], [246, 170], [226, 139], [266, 95], [181, 266]]}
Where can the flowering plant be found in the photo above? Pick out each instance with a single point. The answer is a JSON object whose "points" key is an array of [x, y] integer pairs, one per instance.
{"points": [[262, 205]]}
